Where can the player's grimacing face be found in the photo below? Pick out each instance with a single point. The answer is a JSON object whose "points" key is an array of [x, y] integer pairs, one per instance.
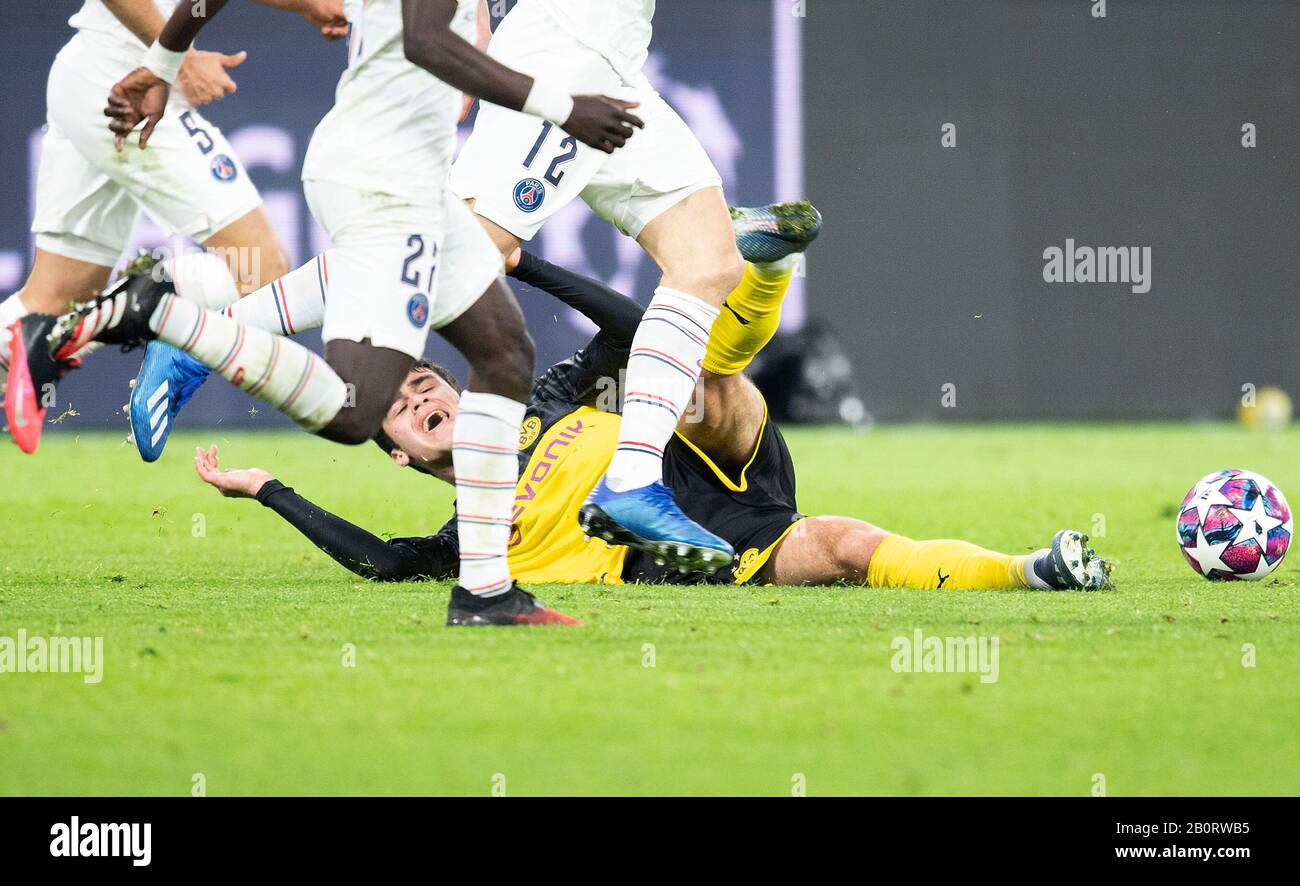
{"points": [[421, 419]]}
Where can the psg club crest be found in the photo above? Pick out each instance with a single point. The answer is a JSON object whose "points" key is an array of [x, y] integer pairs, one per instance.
{"points": [[417, 310], [529, 194], [224, 169]]}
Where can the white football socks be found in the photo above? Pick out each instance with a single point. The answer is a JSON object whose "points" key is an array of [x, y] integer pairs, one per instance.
{"points": [[294, 303], [485, 453], [276, 371], [662, 371], [11, 310], [202, 278], [776, 270]]}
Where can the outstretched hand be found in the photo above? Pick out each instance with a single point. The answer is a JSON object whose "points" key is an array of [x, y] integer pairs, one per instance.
{"points": [[140, 95], [232, 484]]}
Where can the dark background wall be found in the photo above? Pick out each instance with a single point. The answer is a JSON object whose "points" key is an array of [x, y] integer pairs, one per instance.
{"points": [[1123, 130], [713, 61]]}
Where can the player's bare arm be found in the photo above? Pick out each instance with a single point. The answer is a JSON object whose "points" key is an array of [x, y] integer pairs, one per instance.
{"points": [[203, 75], [142, 94], [140, 17], [324, 15], [599, 121], [482, 37]]}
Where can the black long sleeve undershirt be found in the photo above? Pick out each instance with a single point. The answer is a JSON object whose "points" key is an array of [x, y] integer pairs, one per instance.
{"points": [[401, 559], [590, 376], [616, 315]]}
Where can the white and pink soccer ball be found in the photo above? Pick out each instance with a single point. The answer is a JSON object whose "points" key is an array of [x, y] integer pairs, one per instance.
{"points": [[1234, 525]]}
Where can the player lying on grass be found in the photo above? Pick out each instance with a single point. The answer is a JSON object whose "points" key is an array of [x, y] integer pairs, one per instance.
{"points": [[730, 470]]}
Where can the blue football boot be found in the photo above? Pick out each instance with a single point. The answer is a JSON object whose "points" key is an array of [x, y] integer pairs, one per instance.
{"points": [[769, 233], [166, 381], [649, 520]]}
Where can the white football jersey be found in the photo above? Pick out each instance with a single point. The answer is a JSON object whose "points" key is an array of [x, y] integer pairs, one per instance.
{"points": [[95, 17], [393, 125], [618, 29]]}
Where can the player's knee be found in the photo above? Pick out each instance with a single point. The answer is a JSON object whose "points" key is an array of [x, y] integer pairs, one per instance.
{"points": [[731, 271], [355, 423], [372, 378], [712, 280], [851, 548]]}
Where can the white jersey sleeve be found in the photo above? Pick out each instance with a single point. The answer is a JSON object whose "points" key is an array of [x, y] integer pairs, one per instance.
{"points": [[617, 29], [392, 129]]}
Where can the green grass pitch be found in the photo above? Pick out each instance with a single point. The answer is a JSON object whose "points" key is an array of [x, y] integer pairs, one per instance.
{"points": [[224, 653]]}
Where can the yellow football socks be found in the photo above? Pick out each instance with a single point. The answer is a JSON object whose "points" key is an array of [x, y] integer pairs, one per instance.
{"points": [[900, 562], [748, 318], [746, 323]]}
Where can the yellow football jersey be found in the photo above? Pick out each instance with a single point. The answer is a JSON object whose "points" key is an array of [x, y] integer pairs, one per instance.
{"points": [[546, 543]]}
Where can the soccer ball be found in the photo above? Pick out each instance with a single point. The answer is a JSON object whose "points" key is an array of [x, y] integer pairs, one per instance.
{"points": [[1234, 524]]}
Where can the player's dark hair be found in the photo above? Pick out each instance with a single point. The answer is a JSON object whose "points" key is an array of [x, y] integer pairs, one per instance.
{"points": [[383, 440]]}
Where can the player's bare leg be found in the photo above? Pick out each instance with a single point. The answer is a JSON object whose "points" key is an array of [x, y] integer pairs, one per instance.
{"points": [[694, 245], [250, 251], [493, 339], [169, 377], [822, 551], [725, 420], [56, 282], [253, 250], [505, 242], [729, 413], [827, 550], [372, 377]]}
